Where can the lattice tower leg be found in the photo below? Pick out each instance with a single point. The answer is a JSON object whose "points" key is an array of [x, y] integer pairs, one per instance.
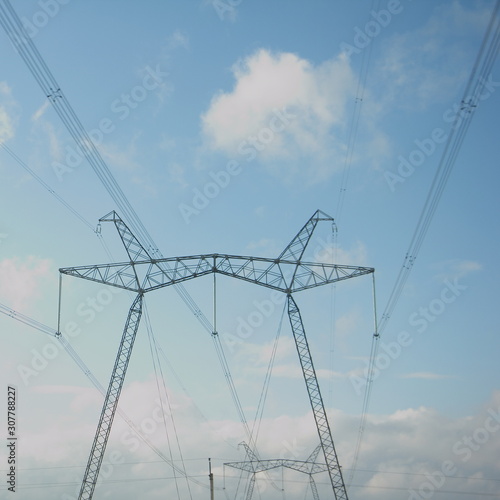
{"points": [[111, 400], [251, 485], [314, 488], [325, 435]]}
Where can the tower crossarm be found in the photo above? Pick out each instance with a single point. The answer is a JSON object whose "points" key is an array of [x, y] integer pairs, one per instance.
{"points": [[263, 465], [283, 275], [120, 275], [256, 465], [305, 467]]}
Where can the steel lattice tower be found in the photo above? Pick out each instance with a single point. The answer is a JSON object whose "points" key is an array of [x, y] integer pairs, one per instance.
{"points": [[287, 273], [254, 466]]}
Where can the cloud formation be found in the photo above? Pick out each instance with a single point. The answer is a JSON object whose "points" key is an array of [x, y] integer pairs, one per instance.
{"points": [[19, 279], [6, 122], [283, 107], [394, 458]]}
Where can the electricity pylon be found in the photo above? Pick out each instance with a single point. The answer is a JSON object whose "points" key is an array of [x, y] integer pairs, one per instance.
{"points": [[287, 273], [254, 465]]}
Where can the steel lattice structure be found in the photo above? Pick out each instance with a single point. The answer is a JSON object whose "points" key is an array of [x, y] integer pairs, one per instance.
{"points": [[254, 465], [287, 273]]}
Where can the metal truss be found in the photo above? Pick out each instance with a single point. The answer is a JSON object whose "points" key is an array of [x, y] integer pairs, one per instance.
{"points": [[254, 466], [316, 400], [287, 273]]}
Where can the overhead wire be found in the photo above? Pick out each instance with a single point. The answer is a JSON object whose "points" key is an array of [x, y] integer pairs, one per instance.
{"points": [[59, 198], [160, 376], [42, 74], [359, 96], [8, 311], [366, 57], [88, 373], [154, 360], [45, 329], [295, 481], [31, 322], [265, 386], [45, 185], [472, 94], [462, 120]]}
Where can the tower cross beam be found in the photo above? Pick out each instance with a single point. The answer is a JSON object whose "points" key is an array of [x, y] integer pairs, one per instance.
{"points": [[286, 276], [263, 465]]}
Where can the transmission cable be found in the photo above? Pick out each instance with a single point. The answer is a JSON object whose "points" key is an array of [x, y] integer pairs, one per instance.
{"points": [[8, 311], [155, 359], [265, 387], [42, 74], [481, 70], [61, 200], [356, 114]]}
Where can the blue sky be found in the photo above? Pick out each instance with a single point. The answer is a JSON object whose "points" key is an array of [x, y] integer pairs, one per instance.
{"points": [[227, 125]]}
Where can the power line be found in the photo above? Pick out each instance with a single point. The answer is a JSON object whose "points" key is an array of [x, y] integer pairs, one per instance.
{"points": [[46, 186], [288, 480], [481, 70], [52, 90], [159, 375]]}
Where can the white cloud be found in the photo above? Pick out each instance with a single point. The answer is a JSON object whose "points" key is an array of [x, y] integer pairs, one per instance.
{"points": [[258, 355], [6, 126], [123, 158], [285, 365], [177, 175], [55, 143], [283, 107], [398, 450], [6, 120], [346, 325], [429, 64], [456, 268], [40, 111], [19, 279], [330, 252], [177, 39], [264, 246], [427, 376], [416, 443]]}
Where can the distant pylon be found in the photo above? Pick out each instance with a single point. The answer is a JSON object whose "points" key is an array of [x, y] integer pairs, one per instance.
{"points": [[254, 466]]}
